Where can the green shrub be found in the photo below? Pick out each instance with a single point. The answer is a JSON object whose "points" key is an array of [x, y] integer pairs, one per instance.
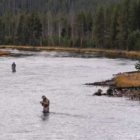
{"points": [[137, 66]]}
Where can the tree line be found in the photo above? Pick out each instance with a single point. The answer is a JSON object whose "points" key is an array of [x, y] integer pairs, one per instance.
{"points": [[114, 26]]}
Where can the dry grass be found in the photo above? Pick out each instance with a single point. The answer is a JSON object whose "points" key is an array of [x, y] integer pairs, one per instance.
{"points": [[3, 53], [128, 79]]}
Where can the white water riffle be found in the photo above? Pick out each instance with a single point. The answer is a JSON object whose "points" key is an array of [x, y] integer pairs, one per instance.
{"points": [[74, 113]]}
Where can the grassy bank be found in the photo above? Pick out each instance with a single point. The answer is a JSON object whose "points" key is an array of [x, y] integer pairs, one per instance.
{"points": [[130, 79], [130, 82], [124, 84], [103, 52]]}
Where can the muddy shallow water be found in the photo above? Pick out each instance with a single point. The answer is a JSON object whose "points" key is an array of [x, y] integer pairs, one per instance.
{"points": [[74, 113]]}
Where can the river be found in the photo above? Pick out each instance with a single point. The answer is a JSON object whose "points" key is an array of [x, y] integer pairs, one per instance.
{"points": [[74, 113]]}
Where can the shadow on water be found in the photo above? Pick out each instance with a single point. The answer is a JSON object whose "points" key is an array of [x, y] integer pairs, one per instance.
{"points": [[63, 114], [45, 117]]}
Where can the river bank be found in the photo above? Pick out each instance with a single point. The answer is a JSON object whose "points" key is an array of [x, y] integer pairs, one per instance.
{"points": [[101, 52], [4, 53], [123, 84]]}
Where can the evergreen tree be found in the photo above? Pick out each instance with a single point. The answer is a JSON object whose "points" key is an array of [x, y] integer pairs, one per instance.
{"points": [[81, 27], [134, 40], [99, 28], [1, 31], [22, 30], [123, 25], [34, 31], [107, 26], [113, 27]]}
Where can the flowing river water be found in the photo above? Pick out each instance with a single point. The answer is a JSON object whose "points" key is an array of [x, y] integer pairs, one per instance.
{"points": [[74, 113]]}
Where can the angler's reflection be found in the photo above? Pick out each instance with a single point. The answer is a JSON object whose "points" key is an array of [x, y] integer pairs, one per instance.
{"points": [[45, 116]]}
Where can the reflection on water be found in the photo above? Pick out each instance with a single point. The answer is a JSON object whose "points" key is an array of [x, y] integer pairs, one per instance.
{"points": [[74, 113], [45, 116]]}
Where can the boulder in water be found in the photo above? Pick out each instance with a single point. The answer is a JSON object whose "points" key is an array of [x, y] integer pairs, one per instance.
{"points": [[98, 93]]}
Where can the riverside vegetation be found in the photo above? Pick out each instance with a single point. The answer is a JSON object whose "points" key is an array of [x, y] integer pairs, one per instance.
{"points": [[33, 22]]}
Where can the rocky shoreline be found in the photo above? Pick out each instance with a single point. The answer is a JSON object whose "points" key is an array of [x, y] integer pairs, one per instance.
{"points": [[114, 90]]}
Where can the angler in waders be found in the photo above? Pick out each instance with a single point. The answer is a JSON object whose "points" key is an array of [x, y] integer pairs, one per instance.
{"points": [[45, 103]]}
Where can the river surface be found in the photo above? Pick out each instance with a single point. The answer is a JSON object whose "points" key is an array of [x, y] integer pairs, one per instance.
{"points": [[74, 113]]}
